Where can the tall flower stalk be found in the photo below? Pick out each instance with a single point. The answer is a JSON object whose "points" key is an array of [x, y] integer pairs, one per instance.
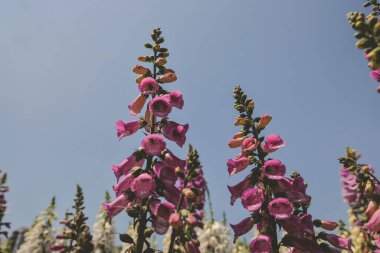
{"points": [[152, 183], [273, 200], [76, 237], [4, 225], [361, 191]]}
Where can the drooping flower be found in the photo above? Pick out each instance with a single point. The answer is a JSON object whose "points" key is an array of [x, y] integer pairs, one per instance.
{"points": [[350, 187], [173, 160], [175, 132], [176, 99], [123, 185], [148, 86], [274, 169], [261, 244], [137, 105], [280, 208], [161, 212], [237, 165], [375, 74], [153, 144], [238, 189], [127, 129], [272, 143], [252, 199], [242, 227], [143, 185], [160, 106], [373, 225], [249, 144], [126, 166], [116, 206], [337, 241], [165, 173]]}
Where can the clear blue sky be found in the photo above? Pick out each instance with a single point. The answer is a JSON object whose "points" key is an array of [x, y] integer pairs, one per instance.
{"points": [[65, 79]]}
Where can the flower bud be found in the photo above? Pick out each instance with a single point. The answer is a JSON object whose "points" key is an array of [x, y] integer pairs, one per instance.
{"points": [[238, 135], [148, 232], [371, 208], [189, 194], [179, 172], [160, 62], [156, 47], [168, 78], [368, 190], [240, 121], [235, 143], [139, 79], [138, 69], [328, 225], [191, 219], [251, 105], [175, 221], [144, 58], [264, 121]]}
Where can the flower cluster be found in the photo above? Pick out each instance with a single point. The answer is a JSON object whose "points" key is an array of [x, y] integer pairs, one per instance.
{"points": [[271, 198], [361, 191], [368, 35], [40, 236], [76, 237], [153, 185]]}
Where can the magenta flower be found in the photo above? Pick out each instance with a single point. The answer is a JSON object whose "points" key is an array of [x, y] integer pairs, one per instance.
{"points": [[160, 106], [175, 132], [237, 190], [237, 165], [126, 166], [161, 212], [153, 144], [123, 185], [261, 244], [172, 194], [350, 188], [242, 227], [274, 169], [337, 241], [375, 74], [137, 105], [143, 186], [175, 220], [252, 199], [116, 206], [176, 99], [165, 173], [272, 143], [249, 144], [173, 160], [127, 129], [148, 86], [280, 208], [373, 225]]}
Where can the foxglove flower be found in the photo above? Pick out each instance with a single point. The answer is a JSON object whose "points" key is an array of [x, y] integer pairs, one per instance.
{"points": [[237, 190], [160, 106], [237, 165], [127, 129], [148, 86], [137, 105], [274, 169], [252, 199], [250, 144], [261, 244], [272, 143], [242, 227], [116, 206], [280, 208], [175, 132], [153, 144], [161, 212], [143, 185], [126, 166]]}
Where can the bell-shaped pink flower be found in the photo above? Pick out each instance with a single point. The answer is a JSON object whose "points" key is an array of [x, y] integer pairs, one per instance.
{"points": [[175, 132], [272, 143], [172, 194], [137, 105], [161, 212], [274, 169], [126, 166], [375, 74], [123, 185], [371, 208], [143, 185], [153, 144], [242, 227], [148, 86], [173, 160], [165, 173], [237, 190], [160, 106], [373, 225], [250, 144], [252, 199], [280, 208], [116, 206], [127, 129], [176, 99], [261, 244], [337, 241], [237, 165]]}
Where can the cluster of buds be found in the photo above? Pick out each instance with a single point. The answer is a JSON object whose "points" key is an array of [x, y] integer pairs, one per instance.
{"points": [[3, 205], [156, 188], [361, 191], [368, 35], [375, 7], [76, 237], [272, 199]]}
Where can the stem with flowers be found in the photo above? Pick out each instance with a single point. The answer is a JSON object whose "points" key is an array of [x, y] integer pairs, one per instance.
{"points": [[152, 193], [272, 199]]}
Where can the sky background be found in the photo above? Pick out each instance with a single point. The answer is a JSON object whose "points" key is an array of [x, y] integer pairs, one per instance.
{"points": [[65, 79]]}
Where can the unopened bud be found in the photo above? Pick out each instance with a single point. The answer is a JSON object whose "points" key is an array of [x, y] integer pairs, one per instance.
{"points": [[328, 225], [235, 143], [189, 194], [144, 58], [240, 121], [191, 219], [264, 121], [160, 62], [148, 232], [168, 78], [139, 79], [156, 47], [138, 69], [371, 209], [251, 105], [179, 172], [238, 135], [368, 190], [175, 221]]}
